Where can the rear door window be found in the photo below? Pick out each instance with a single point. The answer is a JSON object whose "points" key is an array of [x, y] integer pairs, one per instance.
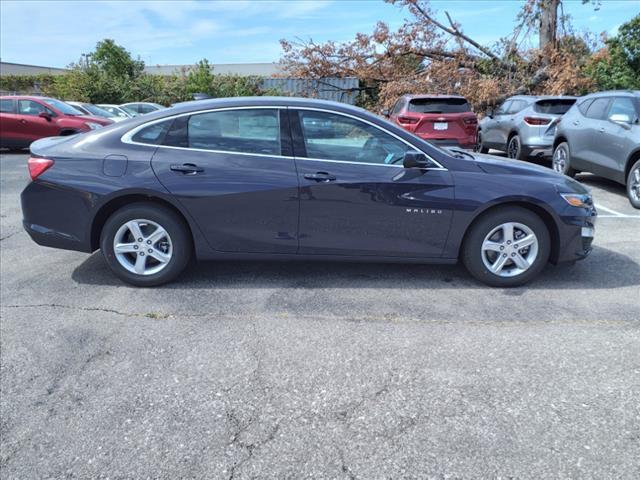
{"points": [[439, 105], [554, 106], [7, 105], [598, 108], [242, 131], [516, 106]]}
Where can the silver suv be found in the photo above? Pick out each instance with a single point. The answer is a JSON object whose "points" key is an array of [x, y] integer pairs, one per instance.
{"points": [[523, 126], [601, 135]]}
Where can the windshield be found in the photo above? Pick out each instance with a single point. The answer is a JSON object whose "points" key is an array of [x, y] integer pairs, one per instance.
{"points": [[555, 106], [97, 110], [62, 107], [439, 105]]}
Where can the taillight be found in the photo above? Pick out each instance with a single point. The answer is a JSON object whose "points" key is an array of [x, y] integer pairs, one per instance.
{"points": [[37, 166], [537, 121], [470, 121], [407, 120]]}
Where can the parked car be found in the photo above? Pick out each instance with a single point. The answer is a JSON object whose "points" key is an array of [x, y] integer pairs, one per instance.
{"points": [[116, 110], [523, 126], [601, 135], [24, 119], [440, 119], [239, 178], [140, 108], [91, 109]]}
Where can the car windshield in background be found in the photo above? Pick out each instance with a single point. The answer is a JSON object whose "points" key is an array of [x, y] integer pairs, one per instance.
{"points": [[129, 110], [439, 105], [65, 108], [555, 106], [98, 111]]}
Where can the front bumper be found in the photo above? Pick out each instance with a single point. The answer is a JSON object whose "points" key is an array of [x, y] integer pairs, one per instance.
{"points": [[576, 235]]}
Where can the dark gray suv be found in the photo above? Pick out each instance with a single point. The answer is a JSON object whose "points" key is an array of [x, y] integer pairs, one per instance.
{"points": [[601, 134]]}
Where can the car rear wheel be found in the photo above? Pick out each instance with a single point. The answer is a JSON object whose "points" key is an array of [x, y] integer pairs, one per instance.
{"points": [[146, 244], [507, 247], [514, 148], [561, 161], [480, 148], [633, 185]]}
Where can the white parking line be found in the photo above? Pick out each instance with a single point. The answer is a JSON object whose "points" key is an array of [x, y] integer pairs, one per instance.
{"points": [[614, 214]]}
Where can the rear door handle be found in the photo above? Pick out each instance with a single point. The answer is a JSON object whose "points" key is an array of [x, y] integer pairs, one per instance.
{"points": [[601, 129], [576, 123], [320, 177], [187, 168]]}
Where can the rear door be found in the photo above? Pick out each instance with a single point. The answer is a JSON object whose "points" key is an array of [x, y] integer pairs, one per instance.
{"points": [[10, 127], [588, 149], [230, 169], [491, 126], [355, 196]]}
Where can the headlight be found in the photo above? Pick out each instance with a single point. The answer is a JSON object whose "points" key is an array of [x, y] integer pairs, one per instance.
{"points": [[582, 200], [93, 126]]}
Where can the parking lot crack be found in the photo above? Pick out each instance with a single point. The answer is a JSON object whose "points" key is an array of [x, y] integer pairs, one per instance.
{"points": [[89, 309]]}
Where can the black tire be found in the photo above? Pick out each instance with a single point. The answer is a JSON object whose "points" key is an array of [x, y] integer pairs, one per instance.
{"points": [[514, 148], [633, 185], [480, 148], [175, 226], [473, 254], [561, 160]]}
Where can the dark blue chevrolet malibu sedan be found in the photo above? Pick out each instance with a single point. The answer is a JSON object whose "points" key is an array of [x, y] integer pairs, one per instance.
{"points": [[295, 179]]}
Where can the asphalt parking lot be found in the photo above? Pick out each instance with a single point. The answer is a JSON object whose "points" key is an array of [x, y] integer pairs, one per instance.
{"points": [[261, 370]]}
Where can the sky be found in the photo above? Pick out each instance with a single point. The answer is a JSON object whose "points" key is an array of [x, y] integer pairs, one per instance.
{"points": [[56, 33]]}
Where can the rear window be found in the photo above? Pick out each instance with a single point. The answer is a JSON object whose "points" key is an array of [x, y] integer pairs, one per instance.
{"points": [[439, 105], [554, 106]]}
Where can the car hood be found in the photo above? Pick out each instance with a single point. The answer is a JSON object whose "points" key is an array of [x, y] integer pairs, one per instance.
{"points": [[493, 165]]}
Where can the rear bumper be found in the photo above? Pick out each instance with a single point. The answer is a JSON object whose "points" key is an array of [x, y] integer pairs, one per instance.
{"points": [[466, 143], [56, 217]]}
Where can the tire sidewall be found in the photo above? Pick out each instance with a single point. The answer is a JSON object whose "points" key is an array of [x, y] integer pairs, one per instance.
{"points": [[634, 203], [174, 226], [472, 247], [567, 170]]}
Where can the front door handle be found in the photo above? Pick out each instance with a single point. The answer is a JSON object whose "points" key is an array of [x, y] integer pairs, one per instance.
{"points": [[601, 129], [320, 177], [187, 168]]}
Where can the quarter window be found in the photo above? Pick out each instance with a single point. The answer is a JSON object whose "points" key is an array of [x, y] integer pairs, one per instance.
{"points": [[153, 134], [329, 136], [502, 109], [598, 108], [516, 106], [584, 106]]}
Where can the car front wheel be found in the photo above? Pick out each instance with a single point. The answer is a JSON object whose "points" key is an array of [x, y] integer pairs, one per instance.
{"points": [[146, 244], [633, 185], [561, 161], [507, 247]]}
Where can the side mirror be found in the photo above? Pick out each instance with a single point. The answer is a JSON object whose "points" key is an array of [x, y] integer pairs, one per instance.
{"points": [[413, 159], [490, 113], [385, 113], [621, 119], [45, 115]]}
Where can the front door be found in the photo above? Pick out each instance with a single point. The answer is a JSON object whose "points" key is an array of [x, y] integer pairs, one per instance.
{"points": [[227, 169], [355, 196], [31, 126]]}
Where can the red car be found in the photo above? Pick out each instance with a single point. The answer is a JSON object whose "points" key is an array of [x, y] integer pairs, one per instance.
{"points": [[24, 119], [441, 119]]}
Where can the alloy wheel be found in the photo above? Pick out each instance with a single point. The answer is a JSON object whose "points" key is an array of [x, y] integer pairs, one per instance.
{"points": [[513, 148], [559, 160], [509, 249], [142, 247]]}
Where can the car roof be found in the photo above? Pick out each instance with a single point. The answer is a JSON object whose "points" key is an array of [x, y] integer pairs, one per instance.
{"points": [[613, 93], [25, 97]]}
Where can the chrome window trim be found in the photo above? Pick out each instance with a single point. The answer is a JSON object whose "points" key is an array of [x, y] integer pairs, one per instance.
{"points": [[127, 137]]}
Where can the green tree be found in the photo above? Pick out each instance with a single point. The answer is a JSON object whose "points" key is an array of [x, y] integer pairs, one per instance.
{"points": [[114, 60], [617, 66], [200, 78]]}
